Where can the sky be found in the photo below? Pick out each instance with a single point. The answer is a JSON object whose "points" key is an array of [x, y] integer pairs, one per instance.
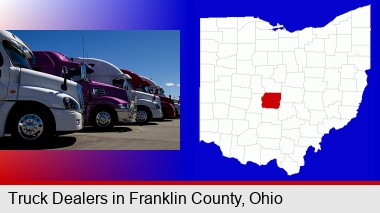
{"points": [[151, 53]]}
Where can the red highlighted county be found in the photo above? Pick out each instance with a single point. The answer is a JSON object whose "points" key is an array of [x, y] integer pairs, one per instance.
{"points": [[271, 100]]}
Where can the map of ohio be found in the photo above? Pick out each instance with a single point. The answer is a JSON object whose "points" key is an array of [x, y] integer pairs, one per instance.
{"points": [[269, 94]]}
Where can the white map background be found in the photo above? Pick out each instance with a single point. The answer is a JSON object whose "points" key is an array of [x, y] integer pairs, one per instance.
{"points": [[320, 73]]}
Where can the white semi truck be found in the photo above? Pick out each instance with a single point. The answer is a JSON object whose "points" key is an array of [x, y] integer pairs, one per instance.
{"points": [[148, 105], [34, 106]]}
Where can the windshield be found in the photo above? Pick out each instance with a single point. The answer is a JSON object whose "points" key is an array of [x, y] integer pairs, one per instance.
{"points": [[118, 82], [129, 84], [154, 91], [158, 91], [75, 74], [162, 92], [121, 83], [143, 88], [16, 55], [146, 89]]}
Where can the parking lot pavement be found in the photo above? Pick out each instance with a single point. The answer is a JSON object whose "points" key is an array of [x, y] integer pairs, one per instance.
{"points": [[157, 135]]}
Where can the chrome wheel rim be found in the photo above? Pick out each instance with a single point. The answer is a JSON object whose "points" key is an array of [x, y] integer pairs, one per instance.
{"points": [[30, 127], [142, 116], [103, 119]]}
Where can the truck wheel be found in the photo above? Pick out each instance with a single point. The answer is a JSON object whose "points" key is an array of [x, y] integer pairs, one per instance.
{"points": [[104, 119], [143, 115], [32, 125]]}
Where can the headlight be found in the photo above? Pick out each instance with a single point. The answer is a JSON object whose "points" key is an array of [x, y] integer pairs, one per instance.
{"points": [[70, 104], [123, 106]]}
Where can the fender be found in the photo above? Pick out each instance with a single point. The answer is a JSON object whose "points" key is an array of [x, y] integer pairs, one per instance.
{"points": [[102, 100], [107, 100], [166, 99], [147, 103], [5, 108], [51, 98], [168, 109]]}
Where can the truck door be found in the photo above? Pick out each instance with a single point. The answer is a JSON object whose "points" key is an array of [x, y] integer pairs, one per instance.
{"points": [[4, 78]]}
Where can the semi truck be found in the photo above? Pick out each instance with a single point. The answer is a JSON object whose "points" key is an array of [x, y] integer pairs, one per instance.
{"points": [[148, 106], [105, 104], [144, 99], [142, 88], [171, 110], [34, 106]]}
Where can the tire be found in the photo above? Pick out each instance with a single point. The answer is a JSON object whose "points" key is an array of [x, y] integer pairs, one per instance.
{"points": [[143, 115], [32, 125], [103, 119]]}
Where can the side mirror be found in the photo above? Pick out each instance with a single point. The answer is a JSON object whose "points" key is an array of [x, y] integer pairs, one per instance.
{"points": [[65, 73], [170, 96], [83, 71]]}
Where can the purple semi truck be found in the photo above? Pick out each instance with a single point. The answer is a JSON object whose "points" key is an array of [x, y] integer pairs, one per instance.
{"points": [[104, 104]]}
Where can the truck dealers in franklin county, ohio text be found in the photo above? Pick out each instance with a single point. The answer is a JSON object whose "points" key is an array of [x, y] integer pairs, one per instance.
{"points": [[137, 198]]}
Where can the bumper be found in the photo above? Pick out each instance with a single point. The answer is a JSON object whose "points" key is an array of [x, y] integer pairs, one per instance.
{"points": [[156, 113], [66, 121], [169, 111], [126, 115]]}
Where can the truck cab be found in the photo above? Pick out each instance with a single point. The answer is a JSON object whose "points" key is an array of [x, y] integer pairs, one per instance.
{"points": [[34, 106], [169, 107], [105, 104], [148, 106]]}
